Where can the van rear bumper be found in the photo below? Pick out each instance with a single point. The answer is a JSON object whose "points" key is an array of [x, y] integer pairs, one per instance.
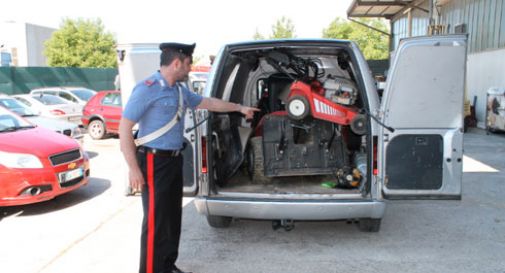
{"points": [[292, 209]]}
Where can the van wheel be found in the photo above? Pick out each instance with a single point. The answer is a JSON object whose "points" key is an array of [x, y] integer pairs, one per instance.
{"points": [[96, 129], [219, 221], [369, 224], [256, 161]]}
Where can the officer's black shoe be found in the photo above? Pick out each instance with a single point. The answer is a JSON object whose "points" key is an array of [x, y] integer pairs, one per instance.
{"points": [[177, 270]]}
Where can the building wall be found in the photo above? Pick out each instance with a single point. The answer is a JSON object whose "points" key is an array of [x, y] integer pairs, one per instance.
{"points": [[399, 25], [25, 42], [13, 40], [35, 39], [484, 21], [484, 70]]}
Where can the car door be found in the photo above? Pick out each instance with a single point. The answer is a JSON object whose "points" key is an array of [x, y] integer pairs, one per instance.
{"points": [[110, 109], [423, 102]]}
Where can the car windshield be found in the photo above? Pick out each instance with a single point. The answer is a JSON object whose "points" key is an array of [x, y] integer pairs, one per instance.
{"points": [[17, 107], [10, 122], [50, 99], [83, 94]]}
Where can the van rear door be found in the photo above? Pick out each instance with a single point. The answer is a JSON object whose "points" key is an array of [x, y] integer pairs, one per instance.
{"points": [[423, 102]]}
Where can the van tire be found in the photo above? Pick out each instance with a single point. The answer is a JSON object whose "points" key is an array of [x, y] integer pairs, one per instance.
{"points": [[219, 221], [369, 224], [257, 161]]}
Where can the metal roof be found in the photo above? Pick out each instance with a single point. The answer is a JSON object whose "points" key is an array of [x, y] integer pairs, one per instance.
{"points": [[378, 8]]}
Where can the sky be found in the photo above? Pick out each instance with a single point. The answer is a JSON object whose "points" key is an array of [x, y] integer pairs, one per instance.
{"points": [[208, 23]]}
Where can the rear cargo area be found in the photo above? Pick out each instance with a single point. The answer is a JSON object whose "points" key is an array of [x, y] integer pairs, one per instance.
{"points": [[309, 139]]}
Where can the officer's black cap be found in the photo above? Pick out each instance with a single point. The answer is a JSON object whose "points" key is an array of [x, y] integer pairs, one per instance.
{"points": [[181, 48]]}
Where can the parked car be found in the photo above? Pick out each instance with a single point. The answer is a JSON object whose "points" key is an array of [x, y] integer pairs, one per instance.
{"points": [[79, 95], [323, 146], [37, 164], [197, 80], [102, 113], [59, 126], [52, 106]]}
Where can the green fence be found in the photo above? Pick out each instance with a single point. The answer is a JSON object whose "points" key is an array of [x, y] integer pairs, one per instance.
{"points": [[20, 80]]}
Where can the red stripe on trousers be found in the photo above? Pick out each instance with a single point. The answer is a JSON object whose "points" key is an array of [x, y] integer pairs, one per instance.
{"points": [[150, 215]]}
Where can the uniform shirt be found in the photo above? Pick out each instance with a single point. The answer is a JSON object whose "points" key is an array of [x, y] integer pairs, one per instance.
{"points": [[153, 104]]}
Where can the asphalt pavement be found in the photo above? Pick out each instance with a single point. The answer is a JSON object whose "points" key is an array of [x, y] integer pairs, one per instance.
{"points": [[96, 229]]}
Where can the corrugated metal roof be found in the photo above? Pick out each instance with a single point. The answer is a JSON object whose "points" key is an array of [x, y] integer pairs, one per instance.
{"points": [[377, 8]]}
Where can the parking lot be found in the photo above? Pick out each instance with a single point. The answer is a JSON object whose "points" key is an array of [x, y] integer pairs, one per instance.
{"points": [[95, 229]]}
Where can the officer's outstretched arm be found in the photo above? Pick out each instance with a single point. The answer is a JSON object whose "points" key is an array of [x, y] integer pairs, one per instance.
{"points": [[217, 105]]}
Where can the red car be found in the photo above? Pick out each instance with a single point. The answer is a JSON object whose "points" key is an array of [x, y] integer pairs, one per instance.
{"points": [[102, 113], [37, 164]]}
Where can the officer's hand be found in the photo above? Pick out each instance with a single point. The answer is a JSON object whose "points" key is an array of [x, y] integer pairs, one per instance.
{"points": [[136, 180], [248, 112]]}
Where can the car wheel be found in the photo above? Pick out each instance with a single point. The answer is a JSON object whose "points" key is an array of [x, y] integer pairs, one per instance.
{"points": [[219, 221], [96, 129], [369, 224]]}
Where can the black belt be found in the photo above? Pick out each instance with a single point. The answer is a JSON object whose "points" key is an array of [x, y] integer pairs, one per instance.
{"points": [[159, 152]]}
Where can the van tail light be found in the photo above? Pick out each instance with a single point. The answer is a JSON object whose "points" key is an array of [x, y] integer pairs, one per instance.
{"points": [[375, 170], [204, 154], [57, 112]]}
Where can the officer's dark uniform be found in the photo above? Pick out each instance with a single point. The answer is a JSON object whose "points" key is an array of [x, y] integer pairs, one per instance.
{"points": [[153, 104]]}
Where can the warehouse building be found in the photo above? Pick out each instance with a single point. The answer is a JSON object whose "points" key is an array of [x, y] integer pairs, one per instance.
{"points": [[22, 44], [482, 20]]}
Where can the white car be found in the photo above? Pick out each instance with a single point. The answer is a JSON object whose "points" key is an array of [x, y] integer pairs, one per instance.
{"points": [[59, 126], [53, 107], [79, 95]]}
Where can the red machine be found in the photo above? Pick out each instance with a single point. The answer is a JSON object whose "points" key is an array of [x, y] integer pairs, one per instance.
{"points": [[306, 99]]}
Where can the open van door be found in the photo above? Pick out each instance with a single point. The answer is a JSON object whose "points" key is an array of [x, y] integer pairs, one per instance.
{"points": [[423, 102], [190, 153]]}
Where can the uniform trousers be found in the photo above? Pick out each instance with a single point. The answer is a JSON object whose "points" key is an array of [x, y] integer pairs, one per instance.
{"points": [[162, 206]]}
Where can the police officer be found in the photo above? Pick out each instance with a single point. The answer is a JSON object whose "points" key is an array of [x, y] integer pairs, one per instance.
{"points": [[155, 168]]}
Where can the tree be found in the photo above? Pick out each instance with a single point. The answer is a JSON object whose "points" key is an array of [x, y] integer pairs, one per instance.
{"points": [[81, 43], [373, 44], [258, 36], [282, 29]]}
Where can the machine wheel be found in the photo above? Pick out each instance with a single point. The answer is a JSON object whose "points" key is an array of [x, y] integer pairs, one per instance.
{"points": [[219, 221], [298, 107], [96, 129], [359, 125], [256, 161], [369, 224]]}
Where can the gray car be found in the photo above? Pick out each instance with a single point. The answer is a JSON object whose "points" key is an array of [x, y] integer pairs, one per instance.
{"points": [[60, 126]]}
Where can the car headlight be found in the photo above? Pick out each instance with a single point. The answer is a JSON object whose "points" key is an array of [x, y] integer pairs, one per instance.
{"points": [[20, 161]]}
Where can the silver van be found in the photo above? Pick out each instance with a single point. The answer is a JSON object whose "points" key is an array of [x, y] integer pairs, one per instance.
{"points": [[323, 146]]}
